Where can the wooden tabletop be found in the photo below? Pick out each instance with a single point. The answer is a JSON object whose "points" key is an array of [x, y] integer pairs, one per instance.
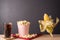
{"points": [[43, 37], [47, 37]]}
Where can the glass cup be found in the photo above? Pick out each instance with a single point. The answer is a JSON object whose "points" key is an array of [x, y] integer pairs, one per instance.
{"points": [[7, 30], [23, 27]]}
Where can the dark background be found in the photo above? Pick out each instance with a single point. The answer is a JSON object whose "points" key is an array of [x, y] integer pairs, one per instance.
{"points": [[31, 10]]}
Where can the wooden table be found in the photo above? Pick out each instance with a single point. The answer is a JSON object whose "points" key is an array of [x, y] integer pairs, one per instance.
{"points": [[47, 37], [43, 37]]}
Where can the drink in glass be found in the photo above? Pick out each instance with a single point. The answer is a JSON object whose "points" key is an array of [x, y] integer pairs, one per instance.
{"points": [[7, 30]]}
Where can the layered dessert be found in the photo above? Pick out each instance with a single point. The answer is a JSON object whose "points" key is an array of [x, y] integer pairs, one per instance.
{"points": [[23, 27]]}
